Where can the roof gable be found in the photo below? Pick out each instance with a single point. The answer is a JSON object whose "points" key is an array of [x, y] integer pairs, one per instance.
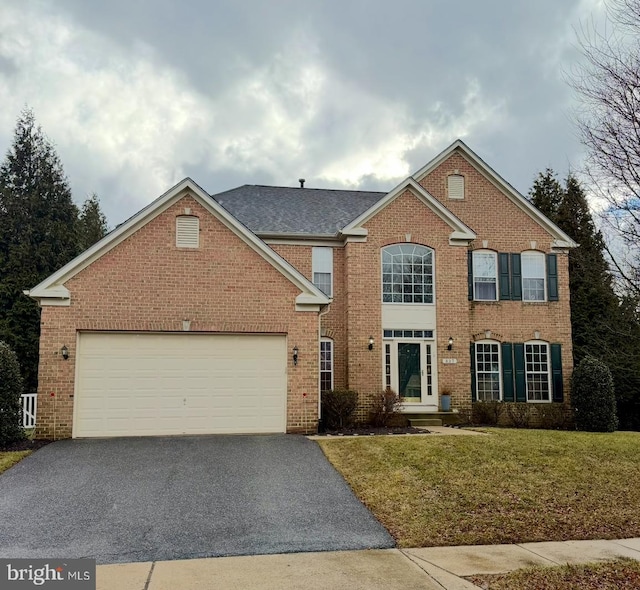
{"points": [[461, 234], [53, 291], [561, 239]]}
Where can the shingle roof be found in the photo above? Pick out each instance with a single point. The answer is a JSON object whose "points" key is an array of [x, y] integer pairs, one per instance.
{"points": [[304, 211]]}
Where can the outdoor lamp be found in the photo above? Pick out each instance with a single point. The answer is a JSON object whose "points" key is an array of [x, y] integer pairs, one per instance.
{"points": [[65, 352], [450, 344], [370, 342], [295, 355]]}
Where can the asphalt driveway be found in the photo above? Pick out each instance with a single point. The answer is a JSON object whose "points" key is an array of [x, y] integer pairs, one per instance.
{"points": [[145, 499]]}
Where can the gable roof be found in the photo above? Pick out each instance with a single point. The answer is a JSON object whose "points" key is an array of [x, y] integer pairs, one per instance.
{"points": [[52, 288], [561, 239], [461, 234], [295, 211]]}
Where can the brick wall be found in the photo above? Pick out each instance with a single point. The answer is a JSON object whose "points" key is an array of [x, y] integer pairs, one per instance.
{"points": [[146, 283]]}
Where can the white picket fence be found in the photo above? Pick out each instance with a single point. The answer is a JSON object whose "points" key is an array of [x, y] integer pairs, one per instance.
{"points": [[29, 409]]}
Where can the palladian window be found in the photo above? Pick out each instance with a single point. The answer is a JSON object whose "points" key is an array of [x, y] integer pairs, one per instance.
{"points": [[407, 274]]}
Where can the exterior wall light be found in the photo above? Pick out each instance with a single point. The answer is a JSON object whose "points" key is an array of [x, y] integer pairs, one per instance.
{"points": [[370, 342], [295, 355], [64, 351], [450, 343]]}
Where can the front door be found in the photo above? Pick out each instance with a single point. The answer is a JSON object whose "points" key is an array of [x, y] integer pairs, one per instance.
{"points": [[410, 373]]}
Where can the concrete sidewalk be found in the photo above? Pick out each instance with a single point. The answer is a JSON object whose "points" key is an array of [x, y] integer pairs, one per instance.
{"points": [[429, 568]]}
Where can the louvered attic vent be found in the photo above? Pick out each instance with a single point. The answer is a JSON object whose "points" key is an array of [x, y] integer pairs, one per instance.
{"points": [[187, 231], [455, 186]]}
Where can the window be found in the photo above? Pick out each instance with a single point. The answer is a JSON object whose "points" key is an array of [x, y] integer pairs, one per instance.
{"points": [[322, 265], [488, 371], [533, 273], [326, 364], [455, 186], [485, 276], [187, 231], [537, 371], [407, 274]]}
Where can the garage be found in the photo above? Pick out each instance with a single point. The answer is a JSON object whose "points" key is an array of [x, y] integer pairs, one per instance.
{"points": [[143, 384]]}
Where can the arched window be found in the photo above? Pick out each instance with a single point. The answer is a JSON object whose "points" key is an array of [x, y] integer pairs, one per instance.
{"points": [[407, 274]]}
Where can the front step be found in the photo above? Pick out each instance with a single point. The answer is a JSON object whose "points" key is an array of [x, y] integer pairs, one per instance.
{"points": [[425, 422]]}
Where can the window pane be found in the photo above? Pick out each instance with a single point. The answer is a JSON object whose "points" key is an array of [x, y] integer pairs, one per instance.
{"points": [[484, 276], [537, 370], [322, 280], [326, 365], [407, 272], [487, 371]]}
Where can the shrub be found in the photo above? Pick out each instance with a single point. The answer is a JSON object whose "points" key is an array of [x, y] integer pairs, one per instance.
{"points": [[593, 396], [519, 414], [338, 407], [388, 404], [552, 416], [486, 413], [10, 391]]}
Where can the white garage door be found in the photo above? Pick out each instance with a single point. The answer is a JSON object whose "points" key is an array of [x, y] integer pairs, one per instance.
{"points": [[150, 384]]}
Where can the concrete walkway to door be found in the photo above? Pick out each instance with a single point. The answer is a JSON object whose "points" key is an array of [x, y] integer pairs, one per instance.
{"points": [[166, 498]]}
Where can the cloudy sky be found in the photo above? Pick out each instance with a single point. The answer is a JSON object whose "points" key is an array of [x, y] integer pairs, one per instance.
{"points": [[137, 94]]}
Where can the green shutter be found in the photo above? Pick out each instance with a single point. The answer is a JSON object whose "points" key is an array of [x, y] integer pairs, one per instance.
{"points": [[556, 373], [470, 274], [503, 265], [520, 380], [472, 350], [552, 277], [516, 278], [507, 372]]}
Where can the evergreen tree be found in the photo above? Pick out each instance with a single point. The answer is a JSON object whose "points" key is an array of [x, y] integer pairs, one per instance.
{"points": [[93, 223], [547, 193], [38, 235], [594, 305]]}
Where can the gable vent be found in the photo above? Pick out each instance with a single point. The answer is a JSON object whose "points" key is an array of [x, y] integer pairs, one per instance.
{"points": [[187, 231], [455, 186]]}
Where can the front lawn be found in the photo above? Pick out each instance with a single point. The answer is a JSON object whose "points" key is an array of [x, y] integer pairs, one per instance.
{"points": [[9, 458], [513, 486], [611, 575]]}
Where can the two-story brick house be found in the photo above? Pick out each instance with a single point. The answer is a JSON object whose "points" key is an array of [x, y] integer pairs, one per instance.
{"points": [[232, 312]]}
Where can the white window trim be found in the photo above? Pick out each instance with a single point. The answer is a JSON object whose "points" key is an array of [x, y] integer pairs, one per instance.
{"points": [[544, 276], [330, 341], [433, 276], [526, 373], [473, 277], [497, 343], [322, 266]]}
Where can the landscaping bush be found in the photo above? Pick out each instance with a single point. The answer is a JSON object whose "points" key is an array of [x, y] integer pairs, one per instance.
{"points": [[519, 414], [593, 396], [552, 416], [388, 404], [486, 413], [10, 391], [338, 407]]}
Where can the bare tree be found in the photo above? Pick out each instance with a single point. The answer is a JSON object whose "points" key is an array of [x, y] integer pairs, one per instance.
{"points": [[608, 85]]}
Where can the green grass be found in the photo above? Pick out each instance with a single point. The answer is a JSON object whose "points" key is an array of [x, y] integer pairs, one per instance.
{"points": [[9, 458], [611, 575], [510, 487]]}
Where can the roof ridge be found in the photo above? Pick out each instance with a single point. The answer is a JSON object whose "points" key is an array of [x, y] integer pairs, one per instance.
{"points": [[343, 190]]}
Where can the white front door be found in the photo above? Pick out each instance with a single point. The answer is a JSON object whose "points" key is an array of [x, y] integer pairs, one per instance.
{"points": [[410, 371]]}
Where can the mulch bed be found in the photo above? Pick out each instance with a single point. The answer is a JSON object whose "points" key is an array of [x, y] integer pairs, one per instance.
{"points": [[371, 430], [26, 445]]}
